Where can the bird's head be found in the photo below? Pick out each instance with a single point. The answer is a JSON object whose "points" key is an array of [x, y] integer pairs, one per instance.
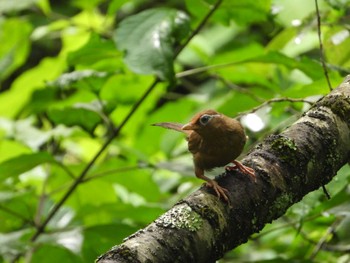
{"points": [[204, 121]]}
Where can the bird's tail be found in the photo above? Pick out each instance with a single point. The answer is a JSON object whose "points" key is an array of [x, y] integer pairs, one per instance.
{"points": [[171, 125]]}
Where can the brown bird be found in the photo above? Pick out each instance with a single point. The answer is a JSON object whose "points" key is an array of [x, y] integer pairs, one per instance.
{"points": [[214, 141]]}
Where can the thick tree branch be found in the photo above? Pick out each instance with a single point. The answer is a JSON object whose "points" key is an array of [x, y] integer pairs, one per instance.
{"points": [[201, 228]]}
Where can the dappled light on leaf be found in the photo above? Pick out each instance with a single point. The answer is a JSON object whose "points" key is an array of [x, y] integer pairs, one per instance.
{"points": [[149, 39]]}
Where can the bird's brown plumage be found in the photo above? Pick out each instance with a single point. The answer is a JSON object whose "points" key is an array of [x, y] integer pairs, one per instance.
{"points": [[214, 141]]}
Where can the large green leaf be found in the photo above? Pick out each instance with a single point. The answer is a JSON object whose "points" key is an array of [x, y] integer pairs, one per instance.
{"points": [[114, 5], [12, 101], [198, 8], [42, 99], [78, 116], [11, 148], [18, 165], [53, 254], [96, 53], [148, 38], [15, 44], [243, 12], [118, 212], [100, 238], [308, 66], [114, 89], [83, 79], [23, 202], [337, 48]]}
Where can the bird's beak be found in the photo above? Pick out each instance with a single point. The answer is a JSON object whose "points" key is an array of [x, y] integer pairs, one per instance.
{"points": [[190, 126]]}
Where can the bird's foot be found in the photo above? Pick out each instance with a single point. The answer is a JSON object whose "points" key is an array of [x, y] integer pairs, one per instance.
{"points": [[220, 191], [242, 168]]}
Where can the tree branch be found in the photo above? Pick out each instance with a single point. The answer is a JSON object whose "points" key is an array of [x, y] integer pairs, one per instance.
{"points": [[201, 228]]}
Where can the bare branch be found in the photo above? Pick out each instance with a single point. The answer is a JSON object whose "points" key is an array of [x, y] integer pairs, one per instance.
{"points": [[274, 100], [323, 240]]}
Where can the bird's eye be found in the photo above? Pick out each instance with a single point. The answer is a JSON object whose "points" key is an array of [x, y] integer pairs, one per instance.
{"points": [[204, 119]]}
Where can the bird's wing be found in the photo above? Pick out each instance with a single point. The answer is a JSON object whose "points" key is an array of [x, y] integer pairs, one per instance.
{"points": [[172, 126]]}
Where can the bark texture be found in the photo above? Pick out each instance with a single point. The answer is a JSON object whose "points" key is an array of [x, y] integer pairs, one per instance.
{"points": [[201, 228]]}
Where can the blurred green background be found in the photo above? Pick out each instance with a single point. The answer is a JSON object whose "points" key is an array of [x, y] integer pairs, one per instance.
{"points": [[70, 73]]}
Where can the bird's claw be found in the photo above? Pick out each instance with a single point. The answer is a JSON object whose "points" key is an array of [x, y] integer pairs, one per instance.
{"points": [[220, 191], [242, 168]]}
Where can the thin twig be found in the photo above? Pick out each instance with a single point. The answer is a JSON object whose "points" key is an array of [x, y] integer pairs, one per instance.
{"points": [[326, 192], [274, 100], [66, 169], [324, 66], [238, 88], [194, 71], [40, 229], [324, 238], [41, 204]]}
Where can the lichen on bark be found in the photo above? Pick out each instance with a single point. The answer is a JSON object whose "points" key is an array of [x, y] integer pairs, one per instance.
{"points": [[180, 217]]}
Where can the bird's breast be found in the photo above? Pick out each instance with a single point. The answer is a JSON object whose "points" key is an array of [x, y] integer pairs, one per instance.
{"points": [[218, 151]]}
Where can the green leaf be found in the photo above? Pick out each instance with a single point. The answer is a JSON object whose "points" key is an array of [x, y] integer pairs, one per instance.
{"points": [[15, 44], [11, 148], [308, 66], [242, 103], [148, 38], [197, 8], [100, 238], [89, 79], [12, 101], [44, 6], [18, 165], [337, 48], [54, 254], [114, 89], [118, 211], [82, 117], [115, 5], [282, 39], [287, 11], [23, 202], [87, 4], [243, 12], [94, 52], [162, 139], [42, 99]]}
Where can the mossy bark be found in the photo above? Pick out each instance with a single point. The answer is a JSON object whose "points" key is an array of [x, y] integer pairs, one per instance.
{"points": [[201, 228]]}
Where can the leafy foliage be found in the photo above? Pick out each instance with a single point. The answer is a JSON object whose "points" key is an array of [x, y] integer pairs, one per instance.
{"points": [[148, 39], [72, 73]]}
